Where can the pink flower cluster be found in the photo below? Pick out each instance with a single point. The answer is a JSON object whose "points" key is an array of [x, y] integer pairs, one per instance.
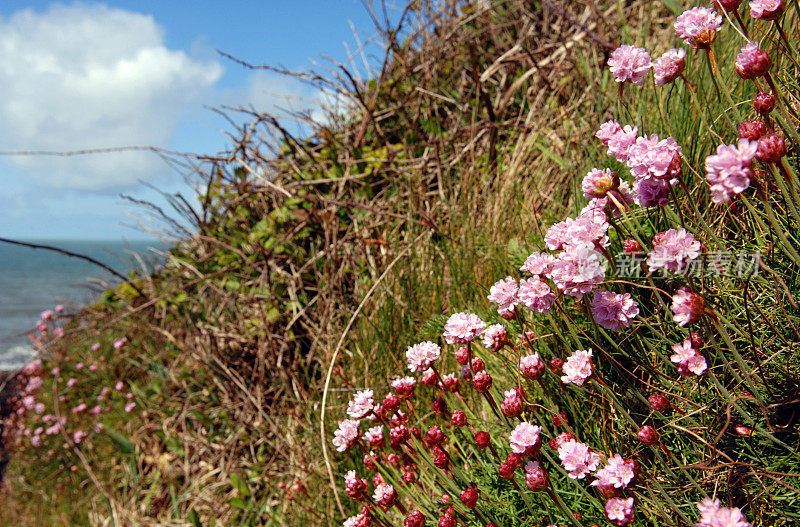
{"points": [[463, 328], [712, 514], [618, 473], [422, 356], [629, 64], [346, 436], [524, 437], [504, 294], [578, 459], [578, 367], [689, 360], [698, 26], [728, 172], [687, 307], [669, 66], [613, 311], [673, 250], [361, 404], [766, 9]]}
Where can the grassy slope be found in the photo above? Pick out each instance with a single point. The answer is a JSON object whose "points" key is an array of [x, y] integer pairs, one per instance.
{"points": [[441, 177]]}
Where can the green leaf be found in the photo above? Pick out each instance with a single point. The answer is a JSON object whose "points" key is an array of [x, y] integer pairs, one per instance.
{"points": [[194, 518], [123, 444], [239, 484]]}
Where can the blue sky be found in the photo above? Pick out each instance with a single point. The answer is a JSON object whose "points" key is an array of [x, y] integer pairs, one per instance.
{"points": [[119, 73]]}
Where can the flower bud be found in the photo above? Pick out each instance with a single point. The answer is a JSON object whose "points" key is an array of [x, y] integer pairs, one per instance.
{"points": [[441, 459], [462, 355], [446, 521], [752, 130], [560, 439], [560, 419], [631, 246], [398, 435], [409, 476], [556, 364], [506, 470], [536, 478], [659, 403], [752, 62], [440, 408], [531, 366], [469, 497], [771, 148], [728, 5], [429, 378], [458, 419], [434, 436], [697, 339], [414, 519], [391, 402], [514, 460], [393, 459], [482, 439], [369, 462], [482, 382], [478, 364], [647, 435], [764, 103]]}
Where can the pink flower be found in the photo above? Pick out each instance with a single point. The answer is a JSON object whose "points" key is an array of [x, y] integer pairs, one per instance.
{"points": [[384, 495], [32, 367], [687, 307], [404, 386], [669, 66], [538, 264], [59, 308], [120, 343], [651, 157], [47, 315], [531, 366], [36, 440], [599, 207], [597, 183], [629, 64], [93, 367], [96, 346], [80, 408], [766, 9], [617, 473], [119, 386], [619, 511], [752, 62], [525, 436], [578, 270], [129, 407], [41, 326], [33, 385], [361, 404], [612, 310], [577, 458], [673, 250], [422, 356], [72, 382], [374, 436], [651, 192], [689, 360], [59, 332], [607, 130], [620, 143], [585, 229], [578, 367], [512, 403], [38, 408], [504, 293], [698, 26], [346, 435], [728, 172], [536, 295], [462, 328], [713, 515], [79, 366], [79, 436], [495, 337], [96, 410]]}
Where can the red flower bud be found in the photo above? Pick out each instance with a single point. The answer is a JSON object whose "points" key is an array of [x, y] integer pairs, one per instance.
{"points": [[560, 419], [556, 364], [469, 497], [752, 130], [447, 521], [728, 5], [647, 435], [441, 459], [631, 246], [458, 419], [537, 479], [514, 460], [434, 436], [482, 439], [391, 402], [414, 519], [659, 403], [764, 103], [506, 470], [477, 364], [482, 382], [462, 355], [771, 148]]}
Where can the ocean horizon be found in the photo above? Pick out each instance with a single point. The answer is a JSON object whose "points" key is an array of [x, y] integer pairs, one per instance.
{"points": [[33, 280]]}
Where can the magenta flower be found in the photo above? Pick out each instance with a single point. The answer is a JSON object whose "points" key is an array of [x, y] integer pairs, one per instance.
{"points": [[504, 294], [577, 458], [538, 264], [619, 511], [613, 311], [766, 9], [617, 473], [495, 337], [597, 183], [374, 436], [79, 436], [384, 495], [669, 66], [752, 62], [129, 407], [422, 356], [72, 382], [404, 386], [698, 26], [346, 435], [361, 404], [46, 315], [578, 367], [120, 343], [687, 307], [673, 250], [608, 130], [585, 229], [651, 157], [463, 328], [629, 64], [578, 270], [728, 172], [354, 486], [525, 436], [512, 404], [536, 295], [689, 360], [713, 515], [96, 346], [531, 366]]}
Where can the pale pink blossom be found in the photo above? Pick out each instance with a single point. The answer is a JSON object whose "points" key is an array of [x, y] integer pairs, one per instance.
{"points": [[93, 367], [673, 250], [59, 308], [129, 407], [39, 408], [654, 157], [619, 511], [79, 366], [495, 337], [585, 229], [752, 61], [651, 192], [72, 382], [46, 315], [32, 367], [80, 408], [462, 328], [629, 64], [374, 436], [578, 367], [120, 343], [607, 130], [597, 183], [728, 171], [58, 332], [96, 346], [504, 294], [577, 459], [669, 66], [617, 473], [698, 26], [613, 311], [620, 142], [346, 435], [689, 360], [34, 384], [538, 264], [119, 386], [531, 366], [687, 307], [766, 9], [384, 495], [361, 404], [578, 270], [422, 356], [524, 436], [536, 294], [78, 436], [712, 514]]}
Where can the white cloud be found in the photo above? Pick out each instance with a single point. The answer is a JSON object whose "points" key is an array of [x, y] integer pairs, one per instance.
{"points": [[89, 76]]}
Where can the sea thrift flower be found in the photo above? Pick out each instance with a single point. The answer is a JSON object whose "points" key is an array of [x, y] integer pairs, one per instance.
{"points": [[398, 435], [651, 192], [346, 435], [463, 328], [511, 406], [669, 66], [58, 332], [536, 478], [612, 310], [524, 439], [119, 386], [120, 343], [450, 382], [728, 172], [620, 142], [374, 436], [687, 307], [414, 519], [619, 511], [578, 459], [422, 356], [80, 408], [578, 367], [96, 346], [629, 64], [673, 250], [647, 435], [72, 382], [536, 295], [504, 294], [766, 9], [607, 130], [653, 157], [404, 386], [79, 366], [689, 360], [35, 383], [79, 436], [354, 486], [469, 497], [698, 26], [47, 315], [384, 495], [531, 366], [93, 367], [585, 229], [597, 183], [764, 103], [578, 270], [752, 130], [752, 62], [482, 382], [714, 515], [361, 404], [617, 473], [771, 148], [495, 337], [434, 436], [458, 419], [129, 407], [659, 403], [538, 264]]}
